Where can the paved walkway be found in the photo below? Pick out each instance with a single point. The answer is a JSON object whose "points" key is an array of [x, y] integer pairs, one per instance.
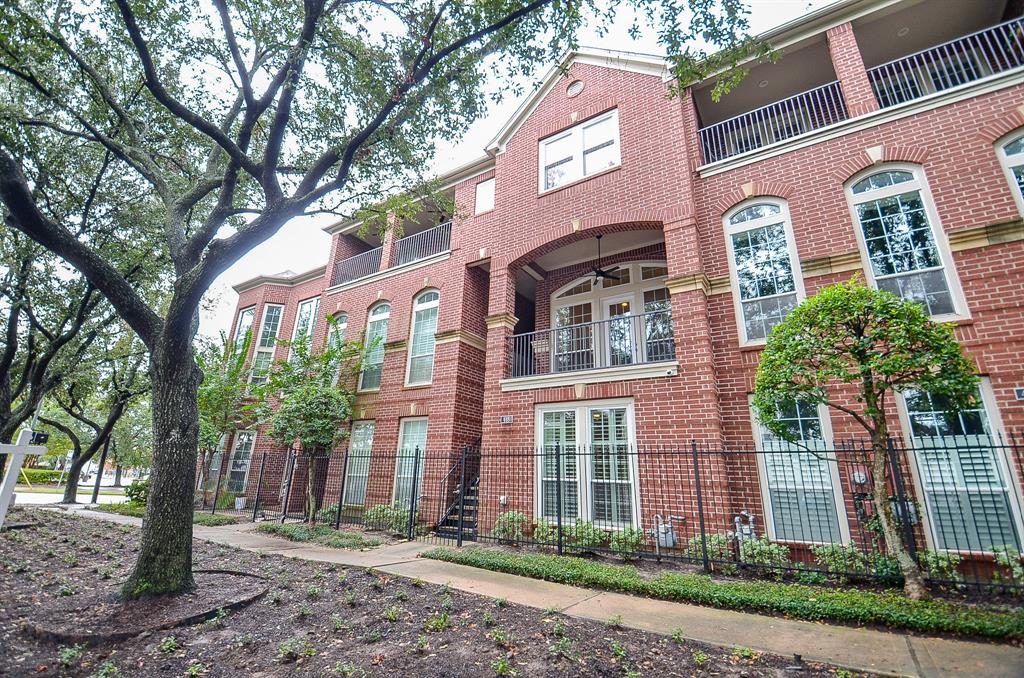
{"points": [[881, 652]]}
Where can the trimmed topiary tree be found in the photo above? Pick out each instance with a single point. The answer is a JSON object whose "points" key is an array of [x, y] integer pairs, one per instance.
{"points": [[872, 341]]}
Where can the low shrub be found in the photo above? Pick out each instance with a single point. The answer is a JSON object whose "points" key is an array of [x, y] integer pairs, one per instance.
{"points": [[138, 492], [587, 535], [508, 527], [719, 550], [627, 541], [851, 606], [940, 565], [1008, 558], [545, 532], [327, 514], [764, 553], [319, 534], [40, 475], [389, 518], [841, 561]]}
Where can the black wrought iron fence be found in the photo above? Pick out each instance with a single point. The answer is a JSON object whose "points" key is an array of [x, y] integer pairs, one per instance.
{"points": [[805, 514]]}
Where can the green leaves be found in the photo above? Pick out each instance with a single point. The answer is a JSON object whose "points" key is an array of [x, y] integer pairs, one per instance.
{"points": [[853, 339], [222, 393]]}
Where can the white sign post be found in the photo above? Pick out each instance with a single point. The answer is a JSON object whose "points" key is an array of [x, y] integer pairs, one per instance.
{"points": [[16, 455]]}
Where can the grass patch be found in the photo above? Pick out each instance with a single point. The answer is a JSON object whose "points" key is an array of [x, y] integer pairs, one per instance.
{"points": [[320, 534], [137, 510], [851, 606]]}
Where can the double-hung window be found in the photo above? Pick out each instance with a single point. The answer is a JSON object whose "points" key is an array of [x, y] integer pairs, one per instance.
{"points": [[588, 463], [357, 469], [244, 324], [305, 319], [968, 488], [421, 344], [764, 265], [800, 479], [580, 151], [376, 335], [484, 196], [896, 223], [1011, 156], [264, 355], [336, 337]]}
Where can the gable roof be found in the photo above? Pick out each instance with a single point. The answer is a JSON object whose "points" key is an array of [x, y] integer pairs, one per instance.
{"points": [[635, 62]]}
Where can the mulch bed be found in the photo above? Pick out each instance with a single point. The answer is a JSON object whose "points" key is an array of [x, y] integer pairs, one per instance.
{"points": [[316, 620]]}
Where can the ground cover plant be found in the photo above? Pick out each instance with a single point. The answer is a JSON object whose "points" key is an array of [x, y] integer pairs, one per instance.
{"points": [[844, 605], [137, 510], [320, 534], [321, 620]]}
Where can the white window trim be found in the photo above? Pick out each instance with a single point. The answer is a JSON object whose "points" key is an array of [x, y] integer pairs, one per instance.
{"points": [[418, 306], [312, 325], [338, 329], [398, 459], [577, 158], [988, 399], [369, 460], [476, 196], [369, 320], [234, 451], [920, 184], [762, 477], [734, 279], [257, 349], [599, 295], [238, 321], [583, 442], [1007, 162]]}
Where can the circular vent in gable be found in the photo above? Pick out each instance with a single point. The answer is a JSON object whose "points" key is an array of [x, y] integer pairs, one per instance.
{"points": [[574, 88]]}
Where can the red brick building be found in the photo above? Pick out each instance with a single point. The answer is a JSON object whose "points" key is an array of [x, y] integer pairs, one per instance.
{"points": [[887, 141]]}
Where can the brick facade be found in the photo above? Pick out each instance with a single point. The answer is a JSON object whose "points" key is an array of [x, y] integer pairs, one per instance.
{"points": [[660, 187]]}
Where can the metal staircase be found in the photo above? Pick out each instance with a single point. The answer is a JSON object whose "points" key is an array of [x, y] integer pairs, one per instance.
{"points": [[448, 526]]}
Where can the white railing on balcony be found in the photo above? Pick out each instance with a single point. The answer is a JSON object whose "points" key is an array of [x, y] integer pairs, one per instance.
{"points": [[957, 62], [359, 266], [775, 122], [423, 244], [626, 340]]}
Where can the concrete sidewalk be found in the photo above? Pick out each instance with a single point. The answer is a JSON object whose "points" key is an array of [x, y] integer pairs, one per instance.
{"points": [[884, 652]]}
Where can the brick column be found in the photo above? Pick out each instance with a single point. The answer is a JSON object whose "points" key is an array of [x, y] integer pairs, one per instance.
{"points": [[388, 246], [849, 68]]}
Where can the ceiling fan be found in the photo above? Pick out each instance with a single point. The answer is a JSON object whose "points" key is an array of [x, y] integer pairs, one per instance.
{"points": [[600, 272]]}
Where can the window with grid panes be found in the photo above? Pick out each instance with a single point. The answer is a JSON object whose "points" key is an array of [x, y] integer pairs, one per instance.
{"points": [[421, 344], [900, 241]]}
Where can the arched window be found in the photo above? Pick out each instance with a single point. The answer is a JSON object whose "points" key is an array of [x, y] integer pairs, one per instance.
{"points": [[420, 369], [376, 335], [896, 218], [1011, 156], [338, 327], [764, 266]]}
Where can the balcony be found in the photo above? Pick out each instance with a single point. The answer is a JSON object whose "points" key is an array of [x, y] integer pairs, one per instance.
{"points": [[359, 266], [423, 244], [618, 342], [407, 250], [950, 64], [795, 115]]}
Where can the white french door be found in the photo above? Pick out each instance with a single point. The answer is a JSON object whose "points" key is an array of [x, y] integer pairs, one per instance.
{"points": [[357, 472], [412, 445], [588, 451]]}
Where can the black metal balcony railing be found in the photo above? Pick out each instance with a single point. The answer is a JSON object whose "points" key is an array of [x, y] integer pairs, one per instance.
{"points": [[359, 266], [775, 122], [423, 244], [957, 62], [625, 340]]}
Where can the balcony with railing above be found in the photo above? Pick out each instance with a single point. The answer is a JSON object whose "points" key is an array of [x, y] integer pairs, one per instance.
{"points": [[617, 342], [422, 245], [359, 266], [408, 250], [950, 64], [778, 121]]}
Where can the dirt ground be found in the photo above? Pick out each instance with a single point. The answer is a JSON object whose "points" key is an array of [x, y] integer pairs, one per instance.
{"points": [[320, 620]]}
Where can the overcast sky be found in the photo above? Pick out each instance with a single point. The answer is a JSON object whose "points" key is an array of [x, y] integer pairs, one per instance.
{"points": [[301, 244]]}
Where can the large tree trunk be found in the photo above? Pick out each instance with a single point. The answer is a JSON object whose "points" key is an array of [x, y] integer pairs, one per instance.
{"points": [[913, 581], [74, 474], [164, 563], [117, 475]]}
